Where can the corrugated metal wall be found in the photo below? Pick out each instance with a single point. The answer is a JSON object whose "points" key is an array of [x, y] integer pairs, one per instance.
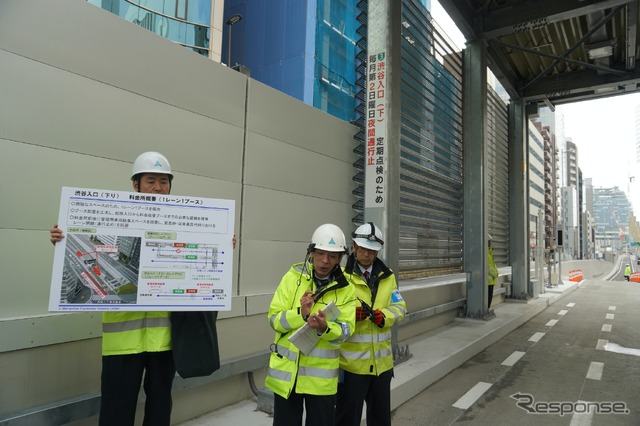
{"points": [[431, 174], [431, 149], [498, 176]]}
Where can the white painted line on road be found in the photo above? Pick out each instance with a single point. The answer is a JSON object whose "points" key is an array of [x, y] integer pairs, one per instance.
{"points": [[571, 305], [562, 312], [512, 359], [551, 323], [606, 327], [610, 316], [469, 398], [582, 419], [602, 344], [614, 347], [612, 308], [536, 337], [595, 371]]}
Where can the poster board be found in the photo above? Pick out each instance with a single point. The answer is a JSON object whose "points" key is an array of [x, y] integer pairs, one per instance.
{"points": [[129, 251]]}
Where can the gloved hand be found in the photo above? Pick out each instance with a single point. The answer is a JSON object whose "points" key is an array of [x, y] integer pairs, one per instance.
{"points": [[361, 314], [378, 318]]}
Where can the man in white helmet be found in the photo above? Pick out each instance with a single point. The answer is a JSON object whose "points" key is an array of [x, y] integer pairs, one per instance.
{"points": [[311, 380], [366, 357], [137, 344], [627, 272]]}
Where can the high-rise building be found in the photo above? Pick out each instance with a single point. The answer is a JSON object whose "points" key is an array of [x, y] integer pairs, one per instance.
{"points": [[571, 162], [570, 223], [611, 211], [551, 204], [305, 48], [536, 182], [195, 24]]}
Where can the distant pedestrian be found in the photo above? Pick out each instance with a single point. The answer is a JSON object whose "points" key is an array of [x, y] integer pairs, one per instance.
{"points": [[627, 272]]}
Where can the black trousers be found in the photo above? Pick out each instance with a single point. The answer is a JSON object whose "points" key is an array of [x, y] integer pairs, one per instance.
{"points": [[288, 412], [121, 379], [359, 388]]}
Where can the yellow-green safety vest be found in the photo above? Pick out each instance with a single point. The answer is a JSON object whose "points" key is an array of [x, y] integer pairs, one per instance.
{"points": [[317, 372], [369, 350], [125, 333], [493, 269]]}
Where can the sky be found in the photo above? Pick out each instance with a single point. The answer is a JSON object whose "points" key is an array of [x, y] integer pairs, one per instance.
{"points": [[603, 130]]}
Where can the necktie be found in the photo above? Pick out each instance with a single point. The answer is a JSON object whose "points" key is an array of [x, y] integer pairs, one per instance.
{"points": [[366, 276]]}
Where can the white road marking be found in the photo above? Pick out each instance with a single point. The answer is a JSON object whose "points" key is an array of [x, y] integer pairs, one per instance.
{"points": [[614, 347], [469, 398], [612, 308], [571, 305], [551, 323], [512, 359], [610, 316], [563, 312], [606, 327], [582, 419], [602, 344], [595, 371], [536, 337]]}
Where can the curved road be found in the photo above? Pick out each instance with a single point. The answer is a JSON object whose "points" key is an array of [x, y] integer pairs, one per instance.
{"points": [[583, 351]]}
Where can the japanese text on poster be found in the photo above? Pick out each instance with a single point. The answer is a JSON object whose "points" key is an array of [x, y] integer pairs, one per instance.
{"points": [[128, 251]]}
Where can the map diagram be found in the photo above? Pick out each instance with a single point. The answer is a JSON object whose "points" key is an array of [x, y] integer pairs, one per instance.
{"points": [[148, 266]]}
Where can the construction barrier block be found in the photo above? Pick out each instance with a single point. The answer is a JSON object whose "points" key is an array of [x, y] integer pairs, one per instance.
{"points": [[576, 275]]}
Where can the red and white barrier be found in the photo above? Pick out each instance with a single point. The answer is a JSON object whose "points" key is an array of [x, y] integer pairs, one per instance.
{"points": [[575, 275]]}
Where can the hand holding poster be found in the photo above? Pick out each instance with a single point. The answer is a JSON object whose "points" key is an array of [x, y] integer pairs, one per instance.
{"points": [[128, 251]]}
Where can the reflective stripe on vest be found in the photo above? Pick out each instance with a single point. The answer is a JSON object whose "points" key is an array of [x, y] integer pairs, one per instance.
{"points": [[325, 353], [395, 313], [321, 373], [137, 324], [290, 355], [279, 374], [362, 355], [367, 338], [283, 321]]}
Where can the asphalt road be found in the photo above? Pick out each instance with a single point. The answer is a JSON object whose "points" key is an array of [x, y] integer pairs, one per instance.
{"points": [[576, 363]]}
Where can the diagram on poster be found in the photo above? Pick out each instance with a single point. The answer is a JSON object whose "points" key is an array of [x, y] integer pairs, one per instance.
{"points": [[126, 251]]}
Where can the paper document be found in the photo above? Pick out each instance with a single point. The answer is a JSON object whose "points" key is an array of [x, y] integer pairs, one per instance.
{"points": [[126, 251], [305, 338]]}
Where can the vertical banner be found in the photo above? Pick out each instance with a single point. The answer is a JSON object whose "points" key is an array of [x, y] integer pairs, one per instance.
{"points": [[375, 157]]}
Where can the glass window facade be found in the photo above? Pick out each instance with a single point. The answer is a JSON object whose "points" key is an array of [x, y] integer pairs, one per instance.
{"points": [[187, 22]]}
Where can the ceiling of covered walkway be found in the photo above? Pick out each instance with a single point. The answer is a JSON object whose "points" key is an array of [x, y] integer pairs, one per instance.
{"points": [[555, 51]]}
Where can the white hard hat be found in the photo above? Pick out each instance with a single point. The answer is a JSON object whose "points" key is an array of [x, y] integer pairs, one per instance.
{"points": [[151, 162], [328, 237], [368, 236]]}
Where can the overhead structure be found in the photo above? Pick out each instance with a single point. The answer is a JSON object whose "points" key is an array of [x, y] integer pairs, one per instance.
{"points": [[551, 52]]}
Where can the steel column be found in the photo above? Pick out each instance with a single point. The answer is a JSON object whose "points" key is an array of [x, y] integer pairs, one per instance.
{"points": [[519, 200], [475, 181]]}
